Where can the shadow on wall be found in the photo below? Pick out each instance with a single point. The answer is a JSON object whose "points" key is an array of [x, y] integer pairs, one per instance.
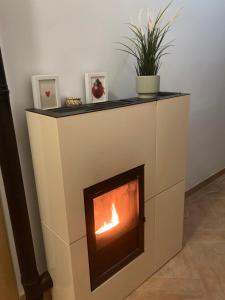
{"points": [[22, 59]]}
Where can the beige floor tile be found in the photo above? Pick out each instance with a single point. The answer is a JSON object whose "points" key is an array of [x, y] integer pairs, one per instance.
{"points": [[169, 287], [179, 267]]}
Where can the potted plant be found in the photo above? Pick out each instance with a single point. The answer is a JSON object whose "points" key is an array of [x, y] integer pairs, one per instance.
{"points": [[147, 47]]}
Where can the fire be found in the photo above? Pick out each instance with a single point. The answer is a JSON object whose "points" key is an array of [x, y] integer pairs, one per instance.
{"points": [[114, 222]]}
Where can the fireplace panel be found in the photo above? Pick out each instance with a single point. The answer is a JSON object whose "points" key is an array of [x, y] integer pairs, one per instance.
{"points": [[114, 212]]}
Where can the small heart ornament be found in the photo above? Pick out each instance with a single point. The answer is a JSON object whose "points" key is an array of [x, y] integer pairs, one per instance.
{"points": [[47, 93]]}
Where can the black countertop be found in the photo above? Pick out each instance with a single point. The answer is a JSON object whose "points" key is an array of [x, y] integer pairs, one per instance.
{"points": [[92, 107]]}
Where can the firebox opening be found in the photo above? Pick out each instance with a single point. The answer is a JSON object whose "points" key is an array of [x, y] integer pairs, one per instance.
{"points": [[114, 213]]}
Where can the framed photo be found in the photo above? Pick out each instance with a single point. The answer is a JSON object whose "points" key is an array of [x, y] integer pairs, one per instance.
{"points": [[96, 87], [46, 91]]}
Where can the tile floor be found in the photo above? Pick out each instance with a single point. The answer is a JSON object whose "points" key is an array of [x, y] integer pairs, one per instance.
{"points": [[198, 271]]}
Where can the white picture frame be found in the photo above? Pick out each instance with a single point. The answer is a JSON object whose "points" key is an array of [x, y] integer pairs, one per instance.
{"points": [[45, 91], [101, 91]]}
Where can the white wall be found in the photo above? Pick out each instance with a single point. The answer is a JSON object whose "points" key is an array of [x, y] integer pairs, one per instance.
{"points": [[198, 66], [71, 37]]}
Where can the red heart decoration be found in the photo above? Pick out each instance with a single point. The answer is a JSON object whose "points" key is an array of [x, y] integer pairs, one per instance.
{"points": [[47, 93]]}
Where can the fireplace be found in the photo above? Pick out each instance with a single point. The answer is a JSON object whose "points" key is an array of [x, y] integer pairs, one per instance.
{"points": [[114, 211], [96, 241]]}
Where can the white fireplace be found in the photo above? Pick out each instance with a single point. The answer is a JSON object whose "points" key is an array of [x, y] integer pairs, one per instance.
{"points": [[110, 188]]}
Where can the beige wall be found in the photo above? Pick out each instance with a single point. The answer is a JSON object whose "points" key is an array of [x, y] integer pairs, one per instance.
{"points": [[8, 287], [3, 202]]}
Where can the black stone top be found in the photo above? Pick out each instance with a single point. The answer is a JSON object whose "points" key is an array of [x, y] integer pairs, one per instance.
{"points": [[92, 107]]}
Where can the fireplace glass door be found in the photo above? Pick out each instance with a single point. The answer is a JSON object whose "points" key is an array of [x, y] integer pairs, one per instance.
{"points": [[114, 212]]}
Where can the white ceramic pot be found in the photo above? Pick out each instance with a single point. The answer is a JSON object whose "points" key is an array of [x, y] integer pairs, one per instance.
{"points": [[148, 86]]}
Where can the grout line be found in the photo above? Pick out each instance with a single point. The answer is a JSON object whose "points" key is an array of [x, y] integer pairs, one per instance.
{"points": [[59, 237]]}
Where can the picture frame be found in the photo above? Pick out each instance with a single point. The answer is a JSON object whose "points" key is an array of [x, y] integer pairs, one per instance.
{"points": [[45, 91], [96, 86]]}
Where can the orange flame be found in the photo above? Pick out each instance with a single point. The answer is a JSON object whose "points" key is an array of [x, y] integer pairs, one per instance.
{"points": [[114, 222]]}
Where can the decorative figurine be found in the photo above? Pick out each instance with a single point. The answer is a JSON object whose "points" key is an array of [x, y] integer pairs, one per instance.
{"points": [[72, 102]]}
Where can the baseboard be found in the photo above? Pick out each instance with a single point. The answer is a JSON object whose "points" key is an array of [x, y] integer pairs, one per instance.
{"points": [[204, 183]]}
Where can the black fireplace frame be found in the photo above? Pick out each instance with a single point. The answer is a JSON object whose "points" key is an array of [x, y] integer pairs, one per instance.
{"points": [[98, 259]]}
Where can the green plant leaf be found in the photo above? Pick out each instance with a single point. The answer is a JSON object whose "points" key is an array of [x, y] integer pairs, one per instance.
{"points": [[147, 44]]}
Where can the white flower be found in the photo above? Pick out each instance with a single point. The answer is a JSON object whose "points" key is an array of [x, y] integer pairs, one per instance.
{"points": [[140, 17], [149, 20], [160, 20], [175, 17], [150, 24], [148, 14]]}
